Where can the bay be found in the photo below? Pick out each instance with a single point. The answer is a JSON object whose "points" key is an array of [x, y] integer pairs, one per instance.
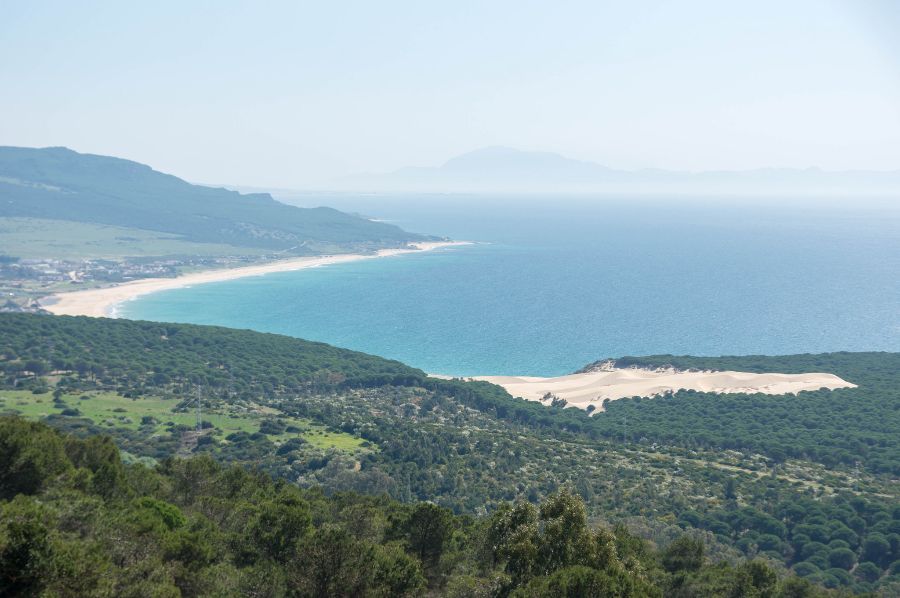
{"points": [[553, 283]]}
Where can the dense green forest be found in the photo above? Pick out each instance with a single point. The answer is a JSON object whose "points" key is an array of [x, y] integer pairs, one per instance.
{"points": [[76, 521], [336, 421], [60, 184], [848, 426]]}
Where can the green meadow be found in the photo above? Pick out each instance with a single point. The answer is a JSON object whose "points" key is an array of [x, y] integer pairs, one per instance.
{"points": [[111, 410], [41, 238]]}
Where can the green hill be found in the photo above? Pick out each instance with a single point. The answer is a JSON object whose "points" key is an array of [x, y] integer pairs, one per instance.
{"points": [[60, 184], [754, 476], [77, 521]]}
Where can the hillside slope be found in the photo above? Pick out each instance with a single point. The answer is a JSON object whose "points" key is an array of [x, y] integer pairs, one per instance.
{"points": [[58, 183], [76, 520], [753, 475]]}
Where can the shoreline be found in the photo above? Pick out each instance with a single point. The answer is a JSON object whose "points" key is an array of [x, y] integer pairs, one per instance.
{"points": [[594, 388], [102, 302]]}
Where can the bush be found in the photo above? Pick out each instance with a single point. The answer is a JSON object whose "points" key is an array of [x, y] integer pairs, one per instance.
{"points": [[867, 571], [876, 548], [813, 548], [26, 552], [684, 554], [842, 558], [841, 575], [806, 569], [30, 456], [167, 513]]}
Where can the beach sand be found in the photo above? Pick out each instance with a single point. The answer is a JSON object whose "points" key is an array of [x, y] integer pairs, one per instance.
{"points": [[591, 388], [579, 390], [102, 302]]}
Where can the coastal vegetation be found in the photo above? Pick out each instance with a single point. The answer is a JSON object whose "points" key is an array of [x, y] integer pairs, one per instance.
{"points": [[334, 421], [76, 520], [74, 221], [849, 427], [39, 240], [694, 178], [59, 184]]}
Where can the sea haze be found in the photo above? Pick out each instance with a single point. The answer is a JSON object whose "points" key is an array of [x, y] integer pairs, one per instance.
{"points": [[554, 283]]}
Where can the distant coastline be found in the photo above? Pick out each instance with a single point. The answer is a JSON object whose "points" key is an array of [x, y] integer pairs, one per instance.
{"points": [[100, 303]]}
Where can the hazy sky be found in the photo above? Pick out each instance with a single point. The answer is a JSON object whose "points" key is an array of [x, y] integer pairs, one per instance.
{"points": [[281, 93]]}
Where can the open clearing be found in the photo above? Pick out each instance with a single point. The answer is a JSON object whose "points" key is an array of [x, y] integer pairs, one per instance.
{"points": [[110, 410], [37, 238]]}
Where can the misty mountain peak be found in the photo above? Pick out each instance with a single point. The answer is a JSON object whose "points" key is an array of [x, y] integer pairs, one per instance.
{"points": [[501, 159]]}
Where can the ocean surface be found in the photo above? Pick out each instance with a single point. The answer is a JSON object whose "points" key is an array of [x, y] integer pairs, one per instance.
{"points": [[555, 283]]}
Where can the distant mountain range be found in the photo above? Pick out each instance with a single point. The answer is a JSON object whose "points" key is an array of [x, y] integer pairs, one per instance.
{"points": [[58, 183], [503, 169]]}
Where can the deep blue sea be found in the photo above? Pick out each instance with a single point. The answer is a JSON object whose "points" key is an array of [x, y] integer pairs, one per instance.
{"points": [[555, 283]]}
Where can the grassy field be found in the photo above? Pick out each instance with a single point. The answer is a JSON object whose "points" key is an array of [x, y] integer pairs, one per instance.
{"points": [[111, 410], [36, 238]]}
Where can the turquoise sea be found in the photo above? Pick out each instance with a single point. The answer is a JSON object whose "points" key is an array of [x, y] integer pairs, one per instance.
{"points": [[555, 283]]}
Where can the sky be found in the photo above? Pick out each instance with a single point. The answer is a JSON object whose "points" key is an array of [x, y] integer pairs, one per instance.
{"points": [[286, 94]]}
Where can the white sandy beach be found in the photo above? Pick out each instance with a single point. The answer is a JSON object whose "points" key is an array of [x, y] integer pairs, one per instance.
{"points": [[102, 302], [591, 388], [579, 390]]}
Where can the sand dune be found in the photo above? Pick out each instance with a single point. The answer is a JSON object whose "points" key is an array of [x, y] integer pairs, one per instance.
{"points": [[582, 390], [102, 302]]}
